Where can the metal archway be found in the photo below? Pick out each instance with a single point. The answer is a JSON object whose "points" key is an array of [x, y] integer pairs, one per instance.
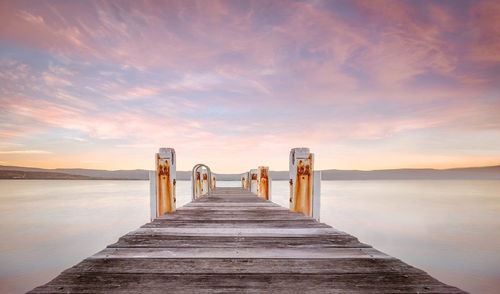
{"points": [[193, 182]]}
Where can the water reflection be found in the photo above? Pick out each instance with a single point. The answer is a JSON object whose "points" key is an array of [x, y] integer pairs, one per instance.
{"points": [[448, 228]]}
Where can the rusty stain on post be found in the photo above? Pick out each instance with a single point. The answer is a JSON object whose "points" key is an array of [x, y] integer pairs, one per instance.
{"points": [[263, 182], [165, 186], [303, 187], [244, 181], [252, 181], [198, 185], [174, 182], [301, 181], [204, 184]]}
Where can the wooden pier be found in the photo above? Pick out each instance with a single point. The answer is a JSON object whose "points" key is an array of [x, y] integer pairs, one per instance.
{"points": [[233, 241]]}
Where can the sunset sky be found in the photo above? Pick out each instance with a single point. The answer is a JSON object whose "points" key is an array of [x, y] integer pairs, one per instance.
{"points": [[236, 84]]}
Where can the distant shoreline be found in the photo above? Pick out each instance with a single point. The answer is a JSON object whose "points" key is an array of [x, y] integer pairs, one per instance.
{"points": [[323, 180], [70, 179], [471, 173]]}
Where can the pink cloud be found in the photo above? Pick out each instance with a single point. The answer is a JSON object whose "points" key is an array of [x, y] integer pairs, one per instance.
{"points": [[485, 28], [406, 46], [191, 37]]}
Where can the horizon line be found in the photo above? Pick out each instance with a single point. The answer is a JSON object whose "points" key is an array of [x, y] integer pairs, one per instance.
{"points": [[362, 170]]}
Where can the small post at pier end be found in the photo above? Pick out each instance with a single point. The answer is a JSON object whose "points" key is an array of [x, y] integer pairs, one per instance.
{"points": [[303, 199], [252, 181], [198, 184], [244, 181], [263, 182], [204, 182]]}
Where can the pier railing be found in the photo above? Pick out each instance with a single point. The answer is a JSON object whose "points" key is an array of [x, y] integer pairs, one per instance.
{"points": [[201, 181], [305, 183]]}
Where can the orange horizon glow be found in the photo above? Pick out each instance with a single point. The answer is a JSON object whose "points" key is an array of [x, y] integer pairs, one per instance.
{"points": [[280, 165]]}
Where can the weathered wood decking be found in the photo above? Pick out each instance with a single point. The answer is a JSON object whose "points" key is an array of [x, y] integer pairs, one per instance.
{"points": [[234, 241]]}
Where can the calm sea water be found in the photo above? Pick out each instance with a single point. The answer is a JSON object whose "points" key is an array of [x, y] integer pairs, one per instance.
{"points": [[448, 228]]}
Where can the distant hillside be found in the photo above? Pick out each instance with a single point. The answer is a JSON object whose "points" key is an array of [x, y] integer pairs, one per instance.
{"points": [[138, 174], [472, 173], [30, 175]]}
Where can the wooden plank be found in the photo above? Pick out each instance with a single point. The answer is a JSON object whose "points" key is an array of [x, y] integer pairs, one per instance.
{"points": [[269, 232], [240, 253], [242, 265], [231, 204], [248, 283], [243, 207], [233, 208], [257, 211], [312, 241], [233, 217], [235, 224]]}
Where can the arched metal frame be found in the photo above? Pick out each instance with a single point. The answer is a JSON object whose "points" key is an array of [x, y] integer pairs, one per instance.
{"points": [[193, 182]]}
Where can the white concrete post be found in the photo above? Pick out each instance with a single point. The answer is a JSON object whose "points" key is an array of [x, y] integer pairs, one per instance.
{"points": [[204, 182], [270, 189], [316, 194], [244, 181], [252, 181], [193, 187], [195, 181], [198, 184], [249, 181], [263, 182], [163, 183], [302, 183], [152, 194]]}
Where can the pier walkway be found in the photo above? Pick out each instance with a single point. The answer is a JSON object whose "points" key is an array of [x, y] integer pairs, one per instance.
{"points": [[233, 241]]}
